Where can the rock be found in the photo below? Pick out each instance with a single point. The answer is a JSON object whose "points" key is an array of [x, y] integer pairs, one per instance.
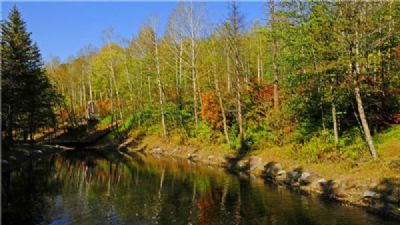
{"points": [[241, 165], [280, 176], [321, 181], [281, 173], [271, 169], [157, 150], [292, 178], [393, 199], [254, 162], [13, 157], [192, 156], [339, 191], [370, 194], [38, 151], [4, 161], [305, 178], [315, 186]]}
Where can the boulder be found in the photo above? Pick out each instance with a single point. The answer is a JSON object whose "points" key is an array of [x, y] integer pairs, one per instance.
{"points": [[13, 157], [293, 177], [280, 176], [370, 194], [241, 165], [322, 181], [192, 156], [254, 162], [271, 169], [306, 178], [157, 150]]}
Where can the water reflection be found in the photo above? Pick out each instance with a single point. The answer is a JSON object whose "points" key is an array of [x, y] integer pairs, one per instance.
{"points": [[98, 188]]}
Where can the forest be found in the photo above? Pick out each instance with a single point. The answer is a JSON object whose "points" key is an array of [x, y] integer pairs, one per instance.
{"points": [[321, 78], [293, 119]]}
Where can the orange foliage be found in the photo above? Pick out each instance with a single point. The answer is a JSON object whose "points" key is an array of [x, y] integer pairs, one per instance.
{"points": [[398, 52], [210, 110], [104, 107], [63, 115], [205, 209], [263, 93], [79, 111]]}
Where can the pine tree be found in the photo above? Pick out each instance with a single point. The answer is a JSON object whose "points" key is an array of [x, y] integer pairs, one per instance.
{"points": [[27, 94]]}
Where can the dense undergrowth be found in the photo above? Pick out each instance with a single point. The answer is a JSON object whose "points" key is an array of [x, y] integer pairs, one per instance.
{"points": [[313, 148]]}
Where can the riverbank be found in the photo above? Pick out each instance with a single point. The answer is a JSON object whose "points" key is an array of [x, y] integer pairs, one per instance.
{"points": [[19, 154], [374, 185]]}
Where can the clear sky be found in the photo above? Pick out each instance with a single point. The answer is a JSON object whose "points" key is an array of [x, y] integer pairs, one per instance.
{"points": [[63, 28]]}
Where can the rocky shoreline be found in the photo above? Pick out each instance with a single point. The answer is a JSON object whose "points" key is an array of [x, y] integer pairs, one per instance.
{"points": [[382, 198]]}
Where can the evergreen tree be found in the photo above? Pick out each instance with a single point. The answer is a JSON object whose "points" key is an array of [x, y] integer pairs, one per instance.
{"points": [[27, 94]]}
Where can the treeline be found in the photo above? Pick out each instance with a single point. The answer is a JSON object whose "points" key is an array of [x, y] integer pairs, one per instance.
{"points": [[28, 98], [325, 69]]}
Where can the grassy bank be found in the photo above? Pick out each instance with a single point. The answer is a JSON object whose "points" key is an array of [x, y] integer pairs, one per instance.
{"points": [[353, 175], [350, 162]]}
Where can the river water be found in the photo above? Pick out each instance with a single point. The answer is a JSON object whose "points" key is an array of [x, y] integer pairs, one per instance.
{"points": [[96, 188]]}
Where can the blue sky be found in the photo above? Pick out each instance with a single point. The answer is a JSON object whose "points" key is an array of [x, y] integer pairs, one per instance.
{"points": [[63, 28]]}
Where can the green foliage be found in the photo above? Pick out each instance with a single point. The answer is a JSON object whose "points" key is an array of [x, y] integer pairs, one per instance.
{"points": [[393, 133], [106, 121], [317, 148], [203, 133], [352, 144], [28, 97], [233, 77], [128, 123]]}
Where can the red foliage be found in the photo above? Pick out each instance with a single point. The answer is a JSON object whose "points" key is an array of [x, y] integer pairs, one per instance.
{"points": [[300, 89], [263, 93], [396, 118], [210, 110], [398, 52], [205, 209]]}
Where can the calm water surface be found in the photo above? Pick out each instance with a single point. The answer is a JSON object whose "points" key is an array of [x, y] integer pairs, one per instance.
{"points": [[93, 188]]}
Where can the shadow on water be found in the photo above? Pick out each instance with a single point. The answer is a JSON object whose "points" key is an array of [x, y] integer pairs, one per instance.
{"points": [[104, 188]]}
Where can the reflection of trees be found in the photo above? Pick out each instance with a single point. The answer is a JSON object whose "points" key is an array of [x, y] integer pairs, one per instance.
{"points": [[97, 188], [24, 190]]}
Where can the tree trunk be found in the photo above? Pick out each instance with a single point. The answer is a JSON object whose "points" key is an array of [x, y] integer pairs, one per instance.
{"points": [[228, 71], [116, 92], [91, 103], [360, 107], [239, 111], [335, 126], [128, 78], [363, 119], [193, 67], [161, 94], [274, 54], [221, 105]]}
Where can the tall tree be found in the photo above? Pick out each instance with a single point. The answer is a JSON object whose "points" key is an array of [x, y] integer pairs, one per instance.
{"points": [[235, 23], [27, 94]]}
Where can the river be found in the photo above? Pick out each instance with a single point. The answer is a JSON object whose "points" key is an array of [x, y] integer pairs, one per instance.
{"points": [[79, 187]]}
